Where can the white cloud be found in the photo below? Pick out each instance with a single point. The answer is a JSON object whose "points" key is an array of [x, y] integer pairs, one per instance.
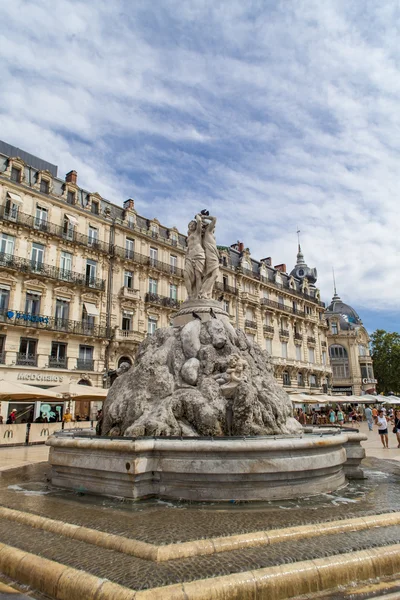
{"points": [[274, 115]]}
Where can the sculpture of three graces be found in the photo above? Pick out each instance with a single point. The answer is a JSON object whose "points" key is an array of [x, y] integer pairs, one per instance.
{"points": [[202, 257]]}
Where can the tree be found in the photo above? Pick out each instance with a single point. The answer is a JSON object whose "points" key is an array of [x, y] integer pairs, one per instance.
{"points": [[385, 352]]}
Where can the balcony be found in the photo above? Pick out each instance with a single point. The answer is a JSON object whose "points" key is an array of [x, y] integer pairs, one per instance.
{"points": [[147, 261], [128, 334], [85, 364], [152, 298], [284, 333], [130, 293], [58, 363], [283, 307], [250, 324], [314, 385], [26, 360], [23, 265], [323, 344], [298, 336], [44, 322], [310, 339], [44, 226], [268, 329], [224, 287]]}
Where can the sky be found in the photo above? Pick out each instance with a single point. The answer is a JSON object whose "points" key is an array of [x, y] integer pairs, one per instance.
{"points": [[275, 115]]}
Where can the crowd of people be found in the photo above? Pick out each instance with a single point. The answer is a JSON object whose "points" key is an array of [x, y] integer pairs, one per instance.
{"points": [[381, 417]]}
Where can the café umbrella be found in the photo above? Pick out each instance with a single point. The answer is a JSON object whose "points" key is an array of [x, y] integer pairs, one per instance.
{"points": [[19, 391], [77, 391]]}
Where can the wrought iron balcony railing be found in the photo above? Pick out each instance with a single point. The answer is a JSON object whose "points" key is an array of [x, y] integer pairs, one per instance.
{"points": [[152, 298], [44, 226], [147, 261], [298, 336], [27, 360], [281, 306], [85, 364], [250, 324], [269, 328], [58, 363], [310, 339], [23, 265], [284, 332], [224, 287], [17, 317]]}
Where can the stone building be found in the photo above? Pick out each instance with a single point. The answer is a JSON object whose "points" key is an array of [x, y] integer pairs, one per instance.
{"points": [[348, 341], [83, 281]]}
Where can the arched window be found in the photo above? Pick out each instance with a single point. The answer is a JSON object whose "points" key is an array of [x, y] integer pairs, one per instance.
{"points": [[337, 351], [84, 382], [124, 359]]}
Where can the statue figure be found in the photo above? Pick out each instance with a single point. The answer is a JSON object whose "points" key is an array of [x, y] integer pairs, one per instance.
{"points": [[212, 257], [195, 258], [202, 257]]}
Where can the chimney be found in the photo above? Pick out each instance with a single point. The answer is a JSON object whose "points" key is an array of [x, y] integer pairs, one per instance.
{"points": [[281, 268], [129, 204], [71, 177], [240, 246], [267, 261]]}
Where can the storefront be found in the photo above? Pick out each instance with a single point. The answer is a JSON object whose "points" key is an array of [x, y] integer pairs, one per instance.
{"points": [[343, 390]]}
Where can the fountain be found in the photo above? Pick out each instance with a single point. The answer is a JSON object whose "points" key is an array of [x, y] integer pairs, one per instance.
{"points": [[199, 416]]}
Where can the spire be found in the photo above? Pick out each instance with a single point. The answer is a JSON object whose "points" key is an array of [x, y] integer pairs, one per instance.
{"points": [[300, 256], [335, 294]]}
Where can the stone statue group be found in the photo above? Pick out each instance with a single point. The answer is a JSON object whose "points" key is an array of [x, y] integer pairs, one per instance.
{"points": [[202, 257]]}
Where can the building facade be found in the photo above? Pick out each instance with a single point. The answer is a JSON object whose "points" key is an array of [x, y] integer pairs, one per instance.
{"points": [[83, 281], [348, 340]]}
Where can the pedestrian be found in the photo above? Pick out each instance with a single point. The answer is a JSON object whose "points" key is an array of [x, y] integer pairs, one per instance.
{"points": [[396, 428], [374, 412], [340, 417], [332, 416], [302, 417], [67, 418], [99, 422], [13, 415], [1, 419], [382, 428], [314, 417], [369, 417]]}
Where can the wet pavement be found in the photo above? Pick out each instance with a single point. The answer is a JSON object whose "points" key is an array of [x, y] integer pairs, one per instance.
{"points": [[28, 489]]}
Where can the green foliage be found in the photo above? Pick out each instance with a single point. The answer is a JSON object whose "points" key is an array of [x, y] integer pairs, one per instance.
{"points": [[385, 351]]}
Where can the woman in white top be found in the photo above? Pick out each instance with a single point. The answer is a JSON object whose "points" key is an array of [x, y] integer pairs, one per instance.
{"points": [[381, 422]]}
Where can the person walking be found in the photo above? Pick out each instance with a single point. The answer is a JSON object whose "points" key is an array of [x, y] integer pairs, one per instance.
{"points": [[396, 428], [302, 417], [332, 416], [368, 416], [382, 428], [340, 417]]}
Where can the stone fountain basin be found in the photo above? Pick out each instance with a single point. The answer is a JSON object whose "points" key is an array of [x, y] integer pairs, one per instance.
{"points": [[204, 469]]}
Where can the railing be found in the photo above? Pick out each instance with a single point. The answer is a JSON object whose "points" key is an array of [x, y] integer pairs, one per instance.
{"points": [[148, 261], [323, 344], [2, 358], [152, 298], [23, 265], [310, 339], [27, 360], [16, 317], [284, 332], [314, 385], [281, 306], [221, 287], [58, 363], [268, 328], [250, 324], [287, 383], [43, 225], [298, 336], [85, 364]]}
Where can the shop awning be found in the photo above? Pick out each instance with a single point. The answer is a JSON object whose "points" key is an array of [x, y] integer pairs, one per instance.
{"points": [[15, 198], [91, 309], [73, 220]]}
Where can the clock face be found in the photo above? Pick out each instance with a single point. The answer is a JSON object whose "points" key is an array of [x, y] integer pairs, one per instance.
{"points": [[300, 273]]}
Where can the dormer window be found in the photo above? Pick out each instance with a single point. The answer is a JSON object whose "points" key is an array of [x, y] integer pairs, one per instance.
{"points": [[95, 207], [154, 231], [44, 186], [71, 197], [334, 328], [131, 222], [15, 174]]}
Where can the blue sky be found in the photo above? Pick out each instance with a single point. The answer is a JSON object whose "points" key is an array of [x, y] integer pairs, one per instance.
{"points": [[273, 114]]}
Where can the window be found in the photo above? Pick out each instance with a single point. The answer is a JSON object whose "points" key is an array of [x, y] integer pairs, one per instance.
{"points": [[298, 353], [362, 350], [340, 370], [174, 239], [337, 351], [4, 298], [65, 264], [225, 282], [93, 235], [173, 291], [95, 208], [334, 328], [85, 360], [37, 256], [286, 378], [323, 357], [11, 212], [71, 197], [131, 222], [129, 248], [268, 345], [153, 257], [151, 325], [89, 312], [313, 381], [27, 352], [58, 356], [7, 244], [280, 300], [300, 380], [41, 218], [294, 306], [91, 272], [44, 186], [154, 231], [128, 279], [127, 317], [153, 286], [173, 261], [2, 349], [69, 227], [32, 303], [225, 305], [284, 347], [15, 174], [267, 318], [265, 294], [62, 312], [311, 355]]}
